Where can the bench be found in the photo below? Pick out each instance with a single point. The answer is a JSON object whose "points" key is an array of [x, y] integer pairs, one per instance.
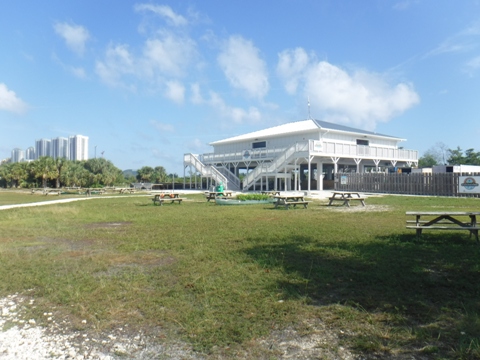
{"points": [[295, 203], [345, 197], [443, 221], [160, 201], [346, 201]]}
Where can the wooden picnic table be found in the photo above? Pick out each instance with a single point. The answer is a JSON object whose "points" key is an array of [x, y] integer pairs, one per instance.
{"points": [[47, 191], [271, 192], [290, 200], [161, 198], [212, 195], [346, 197], [443, 220]]}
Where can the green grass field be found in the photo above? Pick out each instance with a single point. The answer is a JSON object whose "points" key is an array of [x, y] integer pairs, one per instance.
{"points": [[223, 277]]}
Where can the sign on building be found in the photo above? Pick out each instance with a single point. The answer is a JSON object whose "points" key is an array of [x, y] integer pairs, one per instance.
{"points": [[469, 184]]}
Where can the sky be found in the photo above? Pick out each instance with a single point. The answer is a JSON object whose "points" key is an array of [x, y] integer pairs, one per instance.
{"points": [[149, 81]]}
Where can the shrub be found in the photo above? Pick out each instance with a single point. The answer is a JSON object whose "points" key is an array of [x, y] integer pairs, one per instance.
{"points": [[244, 197]]}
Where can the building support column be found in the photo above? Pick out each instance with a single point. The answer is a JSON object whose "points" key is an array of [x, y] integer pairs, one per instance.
{"points": [[357, 161], [320, 175]]}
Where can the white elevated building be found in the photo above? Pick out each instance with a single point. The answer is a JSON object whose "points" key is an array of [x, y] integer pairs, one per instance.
{"points": [[295, 155]]}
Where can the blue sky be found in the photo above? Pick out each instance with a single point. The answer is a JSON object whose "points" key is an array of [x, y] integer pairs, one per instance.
{"points": [[150, 81]]}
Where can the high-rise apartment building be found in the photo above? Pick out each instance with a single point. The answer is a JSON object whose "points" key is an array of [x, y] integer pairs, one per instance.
{"points": [[71, 148], [30, 154], [18, 155], [42, 148], [60, 148], [78, 147]]}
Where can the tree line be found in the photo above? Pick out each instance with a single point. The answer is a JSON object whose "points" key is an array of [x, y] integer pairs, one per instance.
{"points": [[441, 155], [97, 172]]}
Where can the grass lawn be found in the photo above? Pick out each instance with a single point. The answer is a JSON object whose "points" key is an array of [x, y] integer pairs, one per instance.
{"points": [[224, 277]]}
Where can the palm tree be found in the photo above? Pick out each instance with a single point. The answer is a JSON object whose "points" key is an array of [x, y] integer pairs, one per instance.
{"points": [[18, 172], [59, 165], [144, 174], [43, 168]]}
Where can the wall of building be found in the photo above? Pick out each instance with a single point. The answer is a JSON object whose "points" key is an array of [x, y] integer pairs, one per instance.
{"points": [[284, 141]]}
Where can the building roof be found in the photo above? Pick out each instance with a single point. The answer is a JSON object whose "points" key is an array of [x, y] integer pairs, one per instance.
{"points": [[310, 125]]}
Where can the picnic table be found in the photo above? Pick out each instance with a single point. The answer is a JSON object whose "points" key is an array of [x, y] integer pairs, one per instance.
{"points": [[290, 200], [346, 197], [161, 198], [271, 192], [443, 220], [212, 195], [47, 191]]}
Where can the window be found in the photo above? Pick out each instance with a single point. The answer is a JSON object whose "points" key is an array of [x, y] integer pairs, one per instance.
{"points": [[259, 145], [362, 142]]}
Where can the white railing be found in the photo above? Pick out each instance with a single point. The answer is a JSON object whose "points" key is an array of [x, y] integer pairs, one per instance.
{"points": [[205, 170], [233, 181], [368, 152], [276, 165], [327, 149]]}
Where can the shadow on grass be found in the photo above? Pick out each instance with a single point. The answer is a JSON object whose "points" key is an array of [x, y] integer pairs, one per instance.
{"points": [[430, 285]]}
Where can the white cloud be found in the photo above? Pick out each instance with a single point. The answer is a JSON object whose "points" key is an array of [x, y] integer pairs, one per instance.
{"points": [[161, 60], [165, 12], [464, 41], [240, 61], [362, 97], [175, 91], [291, 66], [473, 65], [168, 54], [162, 127], [358, 98], [78, 72], [118, 63], [235, 114], [196, 97], [75, 36], [9, 101]]}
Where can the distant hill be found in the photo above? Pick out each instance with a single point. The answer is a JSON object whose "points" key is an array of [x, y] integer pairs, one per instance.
{"points": [[130, 172]]}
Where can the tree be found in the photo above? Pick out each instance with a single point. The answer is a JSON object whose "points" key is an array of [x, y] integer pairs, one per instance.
{"points": [[44, 169], [145, 174], [104, 172], [433, 156], [18, 173], [59, 165], [472, 157], [160, 174], [456, 156]]}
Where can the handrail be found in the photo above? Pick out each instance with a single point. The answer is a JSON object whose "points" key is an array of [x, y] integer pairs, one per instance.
{"points": [[205, 170], [232, 179], [329, 148], [277, 163]]}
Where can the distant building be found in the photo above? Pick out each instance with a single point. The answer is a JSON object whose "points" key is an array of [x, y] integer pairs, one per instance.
{"points": [[302, 155], [18, 155], [60, 148], [78, 147], [456, 169], [42, 148], [30, 154]]}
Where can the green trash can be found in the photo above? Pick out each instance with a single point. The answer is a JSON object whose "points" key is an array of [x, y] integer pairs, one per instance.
{"points": [[219, 189]]}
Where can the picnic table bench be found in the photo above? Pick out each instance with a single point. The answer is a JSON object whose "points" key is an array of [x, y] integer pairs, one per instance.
{"points": [[271, 192], [45, 191], [346, 197], [161, 198], [443, 220], [290, 200], [212, 195]]}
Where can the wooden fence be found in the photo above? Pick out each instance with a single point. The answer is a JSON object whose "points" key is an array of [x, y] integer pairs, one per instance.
{"points": [[445, 184]]}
